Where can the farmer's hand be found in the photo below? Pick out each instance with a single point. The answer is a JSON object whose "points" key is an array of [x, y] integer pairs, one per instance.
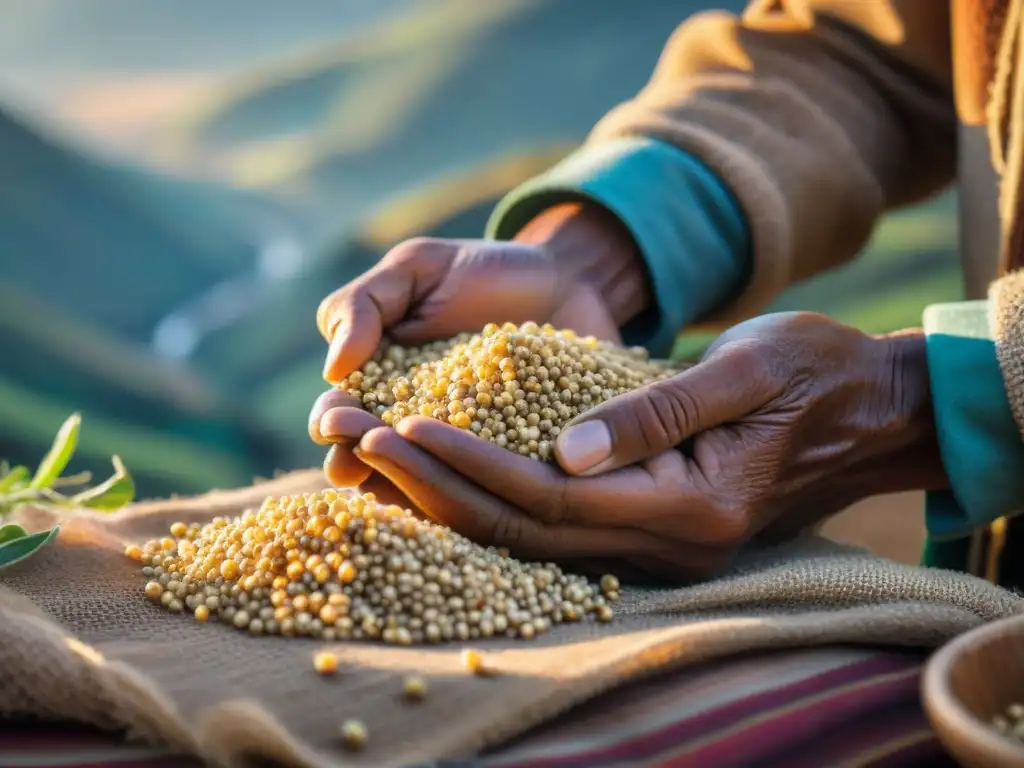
{"points": [[789, 418], [573, 266]]}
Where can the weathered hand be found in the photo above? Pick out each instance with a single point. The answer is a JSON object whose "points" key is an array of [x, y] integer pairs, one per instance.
{"points": [[572, 266], [789, 418]]}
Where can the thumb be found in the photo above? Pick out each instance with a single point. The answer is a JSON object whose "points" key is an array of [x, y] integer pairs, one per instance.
{"points": [[639, 425]]}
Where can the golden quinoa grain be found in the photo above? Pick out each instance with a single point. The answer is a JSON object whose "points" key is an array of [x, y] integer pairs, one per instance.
{"points": [[325, 663], [154, 591], [304, 566], [515, 386], [473, 661], [414, 688], [353, 735]]}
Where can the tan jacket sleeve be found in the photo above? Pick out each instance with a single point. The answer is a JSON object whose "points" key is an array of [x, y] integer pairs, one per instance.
{"points": [[819, 114]]}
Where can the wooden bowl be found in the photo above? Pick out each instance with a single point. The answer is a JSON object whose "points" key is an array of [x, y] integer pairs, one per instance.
{"points": [[969, 681]]}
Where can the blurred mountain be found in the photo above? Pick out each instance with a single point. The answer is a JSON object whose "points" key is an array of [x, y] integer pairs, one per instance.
{"points": [[58, 41], [92, 255], [175, 306], [339, 130]]}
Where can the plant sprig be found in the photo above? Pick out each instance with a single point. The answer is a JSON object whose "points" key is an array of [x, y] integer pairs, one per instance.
{"points": [[19, 487]]}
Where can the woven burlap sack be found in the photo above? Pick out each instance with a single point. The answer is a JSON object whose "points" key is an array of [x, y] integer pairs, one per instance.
{"points": [[78, 640]]}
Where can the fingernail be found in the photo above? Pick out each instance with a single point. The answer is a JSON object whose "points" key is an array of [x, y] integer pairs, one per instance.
{"points": [[329, 428], [584, 446], [333, 352]]}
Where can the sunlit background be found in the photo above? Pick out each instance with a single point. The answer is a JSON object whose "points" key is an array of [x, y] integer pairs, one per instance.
{"points": [[183, 182]]}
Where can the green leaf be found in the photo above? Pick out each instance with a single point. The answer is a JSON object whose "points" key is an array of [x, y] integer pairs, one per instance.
{"points": [[25, 546], [113, 493], [60, 453], [14, 478], [10, 532]]}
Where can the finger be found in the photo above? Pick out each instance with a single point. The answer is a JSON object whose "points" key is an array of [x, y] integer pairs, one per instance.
{"points": [[344, 427], [540, 489], [332, 398], [343, 468], [354, 318], [726, 387], [450, 499], [347, 424], [535, 487]]}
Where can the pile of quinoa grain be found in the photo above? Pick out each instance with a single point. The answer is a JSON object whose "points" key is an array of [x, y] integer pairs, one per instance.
{"points": [[335, 566], [516, 386]]}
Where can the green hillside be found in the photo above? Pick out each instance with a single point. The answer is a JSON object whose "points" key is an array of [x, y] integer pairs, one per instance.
{"points": [[379, 126]]}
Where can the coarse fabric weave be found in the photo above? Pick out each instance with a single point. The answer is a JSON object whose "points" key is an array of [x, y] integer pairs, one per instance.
{"points": [[79, 641], [1006, 302]]}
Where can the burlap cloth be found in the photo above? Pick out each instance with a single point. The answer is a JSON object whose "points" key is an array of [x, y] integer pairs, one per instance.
{"points": [[78, 640]]}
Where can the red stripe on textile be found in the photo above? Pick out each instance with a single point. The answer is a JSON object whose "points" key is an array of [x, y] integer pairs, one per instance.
{"points": [[771, 732], [873, 736], [671, 736]]}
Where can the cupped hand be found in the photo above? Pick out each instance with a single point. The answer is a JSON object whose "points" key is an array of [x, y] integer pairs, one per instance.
{"points": [[572, 266], [499, 498], [426, 289], [789, 418]]}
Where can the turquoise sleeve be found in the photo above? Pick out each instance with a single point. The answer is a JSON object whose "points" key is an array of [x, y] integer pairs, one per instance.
{"points": [[686, 224], [979, 441]]}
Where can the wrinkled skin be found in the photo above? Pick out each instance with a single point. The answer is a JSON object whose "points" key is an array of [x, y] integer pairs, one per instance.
{"points": [[788, 419], [428, 289]]}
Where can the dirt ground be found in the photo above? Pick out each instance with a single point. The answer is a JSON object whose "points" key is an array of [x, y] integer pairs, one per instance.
{"points": [[892, 526]]}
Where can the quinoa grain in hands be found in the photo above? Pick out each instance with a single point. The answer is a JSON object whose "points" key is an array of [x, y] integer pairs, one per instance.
{"points": [[515, 386]]}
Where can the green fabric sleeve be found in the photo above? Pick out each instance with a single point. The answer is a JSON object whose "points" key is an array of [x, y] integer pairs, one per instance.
{"points": [[979, 441], [688, 227]]}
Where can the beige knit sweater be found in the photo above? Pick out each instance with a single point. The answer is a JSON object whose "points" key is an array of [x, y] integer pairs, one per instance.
{"points": [[1007, 305]]}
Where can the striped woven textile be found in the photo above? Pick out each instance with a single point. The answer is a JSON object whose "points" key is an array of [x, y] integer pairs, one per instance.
{"points": [[830, 707]]}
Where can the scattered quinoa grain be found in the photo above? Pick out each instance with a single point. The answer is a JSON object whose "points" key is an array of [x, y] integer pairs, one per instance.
{"points": [[414, 688], [154, 590], [134, 551], [353, 735], [473, 661], [201, 613], [325, 663]]}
